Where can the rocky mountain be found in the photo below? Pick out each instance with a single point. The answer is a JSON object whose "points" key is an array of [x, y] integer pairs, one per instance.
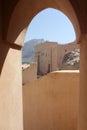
{"points": [[28, 50], [71, 60]]}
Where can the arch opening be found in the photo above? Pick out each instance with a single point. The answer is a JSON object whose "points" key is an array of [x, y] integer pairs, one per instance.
{"points": [[51, 25], [47, 31]]}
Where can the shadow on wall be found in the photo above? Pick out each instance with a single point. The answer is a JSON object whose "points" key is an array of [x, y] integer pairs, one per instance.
{"points": [[4, 49], [51, 102]]}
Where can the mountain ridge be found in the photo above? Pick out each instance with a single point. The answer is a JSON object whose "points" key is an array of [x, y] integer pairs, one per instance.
{"points": [[28, 50]]}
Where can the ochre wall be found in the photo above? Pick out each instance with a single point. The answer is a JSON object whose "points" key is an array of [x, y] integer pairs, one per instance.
{"points": [[46, 57], [10, 88], [82, 120], [50, 103], [52, 53], [29, 74]]}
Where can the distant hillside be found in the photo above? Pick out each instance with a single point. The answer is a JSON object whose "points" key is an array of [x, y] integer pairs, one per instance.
{"points": [[28, 50], [71, 60]]}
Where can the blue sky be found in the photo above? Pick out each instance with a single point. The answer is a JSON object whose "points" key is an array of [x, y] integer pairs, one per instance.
{"points": [[51, 25]]}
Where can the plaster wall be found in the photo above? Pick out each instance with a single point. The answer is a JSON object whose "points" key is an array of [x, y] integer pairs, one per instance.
{"points": [[46, 57], [54, 58], [10, 87], [0, 21], [49, 55], [51, 102], [82, 120], [29, 74]]}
